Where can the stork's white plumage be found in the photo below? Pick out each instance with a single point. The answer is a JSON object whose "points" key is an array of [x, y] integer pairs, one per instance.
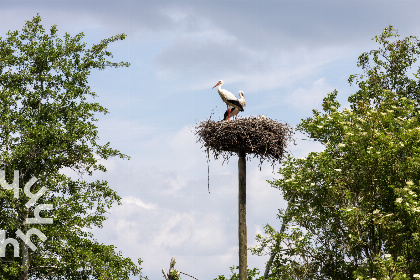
{"points": [[228, 98], [235, 111]]}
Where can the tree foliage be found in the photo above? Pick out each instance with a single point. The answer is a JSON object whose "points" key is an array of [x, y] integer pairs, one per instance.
{"points": [[251, 274], [47, 123], [354, 207]]}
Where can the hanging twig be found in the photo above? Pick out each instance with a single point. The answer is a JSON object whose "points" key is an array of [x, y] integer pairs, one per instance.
{"points": [[188, 275], [208, 169]]}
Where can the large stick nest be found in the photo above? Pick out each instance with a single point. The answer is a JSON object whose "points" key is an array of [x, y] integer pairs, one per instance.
{"points": [[265, 138]]}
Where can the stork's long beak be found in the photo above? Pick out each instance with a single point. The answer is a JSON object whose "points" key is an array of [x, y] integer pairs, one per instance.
{"points": [[216, 85]]}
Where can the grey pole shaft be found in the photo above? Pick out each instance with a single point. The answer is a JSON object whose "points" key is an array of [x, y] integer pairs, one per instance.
{"points": [[242, 217]]}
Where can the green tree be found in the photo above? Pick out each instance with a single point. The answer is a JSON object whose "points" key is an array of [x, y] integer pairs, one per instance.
{"points": [[354, 210], [252, 274], [47, 123]]}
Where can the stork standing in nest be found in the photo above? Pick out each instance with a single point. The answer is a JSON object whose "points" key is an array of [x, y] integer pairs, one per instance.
{"points": [[229, 98], [234, 111]]}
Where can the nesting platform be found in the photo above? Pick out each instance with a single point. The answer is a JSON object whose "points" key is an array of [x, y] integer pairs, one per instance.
{"points": [[263, 138]]}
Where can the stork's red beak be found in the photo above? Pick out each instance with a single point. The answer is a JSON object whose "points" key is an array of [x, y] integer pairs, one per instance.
{"points": [[216, 85]]}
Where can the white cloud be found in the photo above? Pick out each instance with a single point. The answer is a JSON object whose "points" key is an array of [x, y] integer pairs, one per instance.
{"points": [[311, 97], [136, 201], [158, 233]]}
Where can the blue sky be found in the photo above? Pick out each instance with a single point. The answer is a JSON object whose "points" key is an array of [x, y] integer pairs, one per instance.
{"points": [[285, 55]]}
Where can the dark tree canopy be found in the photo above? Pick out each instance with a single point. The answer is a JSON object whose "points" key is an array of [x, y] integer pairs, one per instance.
{"points": [[47, 123]]}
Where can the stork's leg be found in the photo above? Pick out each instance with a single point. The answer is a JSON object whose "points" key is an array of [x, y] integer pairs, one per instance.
{"points": [[227, 108]]}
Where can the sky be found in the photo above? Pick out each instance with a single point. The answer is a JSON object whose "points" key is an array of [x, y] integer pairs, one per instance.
{"points": [[285, 55]]}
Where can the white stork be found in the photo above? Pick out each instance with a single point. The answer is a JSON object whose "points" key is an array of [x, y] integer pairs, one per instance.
{"points": [[228, 98], [235, 111]]}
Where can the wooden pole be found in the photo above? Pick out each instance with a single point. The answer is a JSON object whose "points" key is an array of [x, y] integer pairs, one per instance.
{"points": [[242, 216]]}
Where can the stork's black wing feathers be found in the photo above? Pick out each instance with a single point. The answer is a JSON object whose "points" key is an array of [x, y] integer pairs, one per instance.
{"points": [[236, 104]]}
